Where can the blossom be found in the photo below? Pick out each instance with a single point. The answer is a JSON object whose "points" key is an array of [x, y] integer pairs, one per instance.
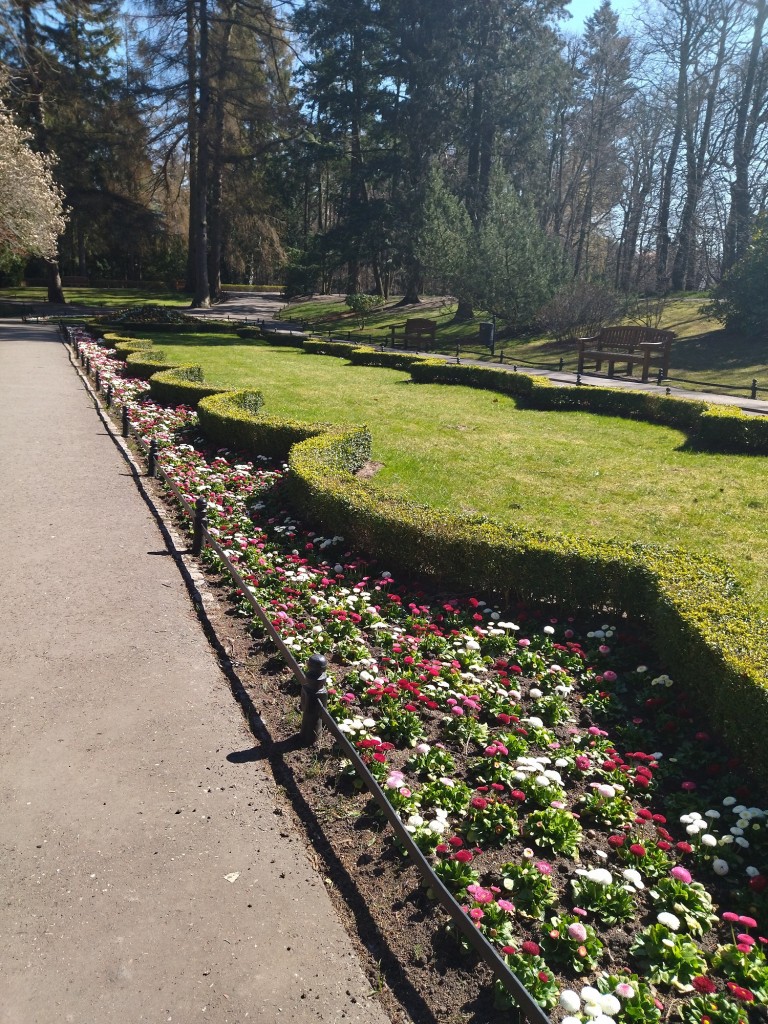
{"points": [[577, 932], [532, 948], [704, 985], [570, 1001], [668, 920], [720, 866], [681, 874], [738, 992], [609, 1004], [624, 990]]}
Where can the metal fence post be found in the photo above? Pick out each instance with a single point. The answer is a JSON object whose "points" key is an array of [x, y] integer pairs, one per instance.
{"points": [[198, 525], [754, 388], [152, 458], [97, 381], [126, 423], [313, 694], [109, 394]]}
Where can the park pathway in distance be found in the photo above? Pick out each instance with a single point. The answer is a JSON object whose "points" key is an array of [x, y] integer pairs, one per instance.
{"points": [[144, 877]]}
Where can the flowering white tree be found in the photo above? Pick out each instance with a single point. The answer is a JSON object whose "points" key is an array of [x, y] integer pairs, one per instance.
{"points": [[31, 209]]}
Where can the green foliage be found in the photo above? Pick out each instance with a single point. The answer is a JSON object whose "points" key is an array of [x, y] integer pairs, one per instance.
{"points": [[144, 362], [690, 902], [341, 349], [668, 958], [531, 888], [740, 300], [363, 305], [181, 386], [522, 266], [394, 360], [446, 243], [554, 830], [504, 262]]}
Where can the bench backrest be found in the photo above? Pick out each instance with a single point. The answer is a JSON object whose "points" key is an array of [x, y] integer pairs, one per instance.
{"points": [[629, 337], [420, 326]]}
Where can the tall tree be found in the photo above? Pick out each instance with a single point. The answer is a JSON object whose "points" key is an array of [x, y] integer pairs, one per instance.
{"points": [[751, 104]]}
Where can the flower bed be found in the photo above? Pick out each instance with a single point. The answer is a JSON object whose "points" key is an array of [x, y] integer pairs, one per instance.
{"points": [[608, 845]]}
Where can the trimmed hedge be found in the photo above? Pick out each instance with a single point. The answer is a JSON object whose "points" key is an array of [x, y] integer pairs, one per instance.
{"points": [[145, 362], [365, 356], [725, 429], [183, 385], [709, 637], [231, 420], [321, 347]]}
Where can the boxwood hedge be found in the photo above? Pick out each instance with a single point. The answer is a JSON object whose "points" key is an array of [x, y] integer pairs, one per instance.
{"points": [[183, 385]]}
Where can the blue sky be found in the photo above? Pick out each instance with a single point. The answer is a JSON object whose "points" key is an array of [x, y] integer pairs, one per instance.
{"points": [[581, 10]]}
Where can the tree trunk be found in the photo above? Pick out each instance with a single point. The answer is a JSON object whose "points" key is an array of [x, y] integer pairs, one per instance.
{"points": [[189, 284], [737, 229], [55, 291], [217, 170], [663, 239], [464, 311], [199, 201]]}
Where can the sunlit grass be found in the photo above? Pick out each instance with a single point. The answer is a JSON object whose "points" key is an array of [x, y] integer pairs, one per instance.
{"points": [[702, 350], [466, 449], [107, 297]]}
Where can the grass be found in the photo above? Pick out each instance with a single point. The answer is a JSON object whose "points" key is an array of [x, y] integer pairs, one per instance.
{"points": [[471, 450], [107, 297], [702, 350]]}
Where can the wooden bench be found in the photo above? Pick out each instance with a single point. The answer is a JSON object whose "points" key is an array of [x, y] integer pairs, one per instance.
{"points": [[419, 330], [644, 345]]}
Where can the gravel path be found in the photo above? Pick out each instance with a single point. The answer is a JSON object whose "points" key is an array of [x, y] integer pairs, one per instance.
{"points": [[144, 876]]}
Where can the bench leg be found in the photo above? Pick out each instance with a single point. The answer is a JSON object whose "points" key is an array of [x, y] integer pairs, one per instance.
{"points": [[646, 366], [611, 365]]}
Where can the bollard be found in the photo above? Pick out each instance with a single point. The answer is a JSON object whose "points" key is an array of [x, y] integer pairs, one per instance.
{"points": [[126, 423], [560, 367], [198, 525], [313, 693], [458, 353], [152, 458], [109, 394], [754, 388], [660, 377], [97, 381], [501, 356], [88, 365]]}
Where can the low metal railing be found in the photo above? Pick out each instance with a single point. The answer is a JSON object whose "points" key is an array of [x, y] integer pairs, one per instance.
{"points": [[315, 716]]}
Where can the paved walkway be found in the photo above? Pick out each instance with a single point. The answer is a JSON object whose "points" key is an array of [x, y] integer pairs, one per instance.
{"points": [[144, 877]]}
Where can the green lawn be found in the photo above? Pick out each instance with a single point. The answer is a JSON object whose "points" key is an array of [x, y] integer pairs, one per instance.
{"points": [[466, 449], [702, 350], [107, 297]]}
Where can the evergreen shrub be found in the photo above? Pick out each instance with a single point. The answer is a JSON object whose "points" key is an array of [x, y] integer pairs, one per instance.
{"points": [[183, 385], [144, 362]]}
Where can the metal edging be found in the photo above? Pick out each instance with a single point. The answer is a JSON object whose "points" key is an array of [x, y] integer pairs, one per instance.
{"points": [[487, 951]]}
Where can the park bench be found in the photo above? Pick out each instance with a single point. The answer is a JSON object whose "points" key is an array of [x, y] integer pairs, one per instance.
{"points": [[419, 330], [646, 346]]}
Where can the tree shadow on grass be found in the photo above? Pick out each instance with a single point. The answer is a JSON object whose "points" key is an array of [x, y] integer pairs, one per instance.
{"points": [[719, 351]]}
